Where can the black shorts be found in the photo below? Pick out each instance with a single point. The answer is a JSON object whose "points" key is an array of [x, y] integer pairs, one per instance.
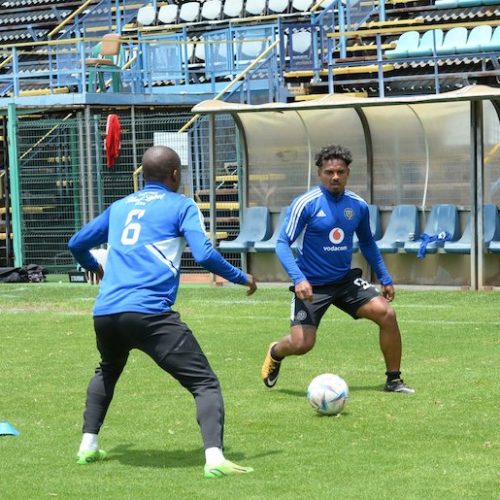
{"points": [[348, 295]]}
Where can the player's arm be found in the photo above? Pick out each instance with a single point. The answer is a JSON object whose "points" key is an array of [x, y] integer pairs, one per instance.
{"points": [[193, 230], [290, 230], [372, 254], [91, 235]]}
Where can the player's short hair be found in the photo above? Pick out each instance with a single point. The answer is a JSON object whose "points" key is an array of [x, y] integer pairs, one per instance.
{"points": [[159, 162], [333, 152]]}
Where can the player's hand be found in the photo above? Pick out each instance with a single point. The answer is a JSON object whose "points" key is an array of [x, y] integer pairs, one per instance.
{"points": [[388, 292], [95, 277], [304, 291], [251, 284]]}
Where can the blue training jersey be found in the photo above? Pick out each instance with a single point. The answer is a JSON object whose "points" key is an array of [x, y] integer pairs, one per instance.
{"points": [[146, 234], [323, 226]]}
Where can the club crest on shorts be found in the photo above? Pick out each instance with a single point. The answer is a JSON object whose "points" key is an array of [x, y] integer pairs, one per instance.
{"points": [[348, 213], [301, 315]]}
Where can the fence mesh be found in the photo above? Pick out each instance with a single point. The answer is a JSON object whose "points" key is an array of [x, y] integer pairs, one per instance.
{"points": [[65, 180]]}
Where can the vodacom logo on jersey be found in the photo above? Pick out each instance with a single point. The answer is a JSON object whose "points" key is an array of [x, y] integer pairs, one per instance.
{"points": [[336, 236]]}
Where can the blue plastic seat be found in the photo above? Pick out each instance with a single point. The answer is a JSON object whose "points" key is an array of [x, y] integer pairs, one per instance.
{"points": [[494, 245], [443, 218], [446, 4], [469, 3], [375, 226], [406, 42], [270, 244], [403, 225], [256, 226], [494, 43], [463, 245], [430, 39], [454, 41], [478, 36]]}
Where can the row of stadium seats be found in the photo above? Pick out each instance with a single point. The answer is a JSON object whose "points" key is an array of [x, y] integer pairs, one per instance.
{"points": [[402, 233], [215, 10], [456, 41]]}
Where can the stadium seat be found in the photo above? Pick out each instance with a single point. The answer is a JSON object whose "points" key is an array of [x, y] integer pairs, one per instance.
{"points": [[443, 218], [189, 12], [494, 43], [300, 42], [103, 61], [255, 7], [454, 40], [469, 3], [211, 10], [270, 244], [256, 226], [233, 8], [301, 5], [478, 36], [146, 16], [168, 14], [403, 226], [406, 42], [277, 6], [429, 40], [446, 4], [490, 222], [375, 226]]}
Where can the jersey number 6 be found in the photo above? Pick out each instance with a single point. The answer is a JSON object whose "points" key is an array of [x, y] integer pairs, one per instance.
{"points": [[131, 231]]}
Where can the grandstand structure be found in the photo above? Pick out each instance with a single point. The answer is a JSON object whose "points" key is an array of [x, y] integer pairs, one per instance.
{"points": [[66, 67]]}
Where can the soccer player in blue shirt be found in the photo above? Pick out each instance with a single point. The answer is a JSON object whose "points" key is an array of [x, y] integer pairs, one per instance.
{"points": [[146, 233], [323, 222]]}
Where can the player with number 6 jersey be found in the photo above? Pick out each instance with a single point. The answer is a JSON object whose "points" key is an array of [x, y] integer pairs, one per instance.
{"points": [[322, 223], [146, 240], [146, 233]]}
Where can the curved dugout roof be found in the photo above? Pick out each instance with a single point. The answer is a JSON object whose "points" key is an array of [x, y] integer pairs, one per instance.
{"points": [[412, 149]]}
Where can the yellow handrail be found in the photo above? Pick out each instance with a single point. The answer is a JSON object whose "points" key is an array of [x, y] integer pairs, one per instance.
{"points": [[65, 21]]}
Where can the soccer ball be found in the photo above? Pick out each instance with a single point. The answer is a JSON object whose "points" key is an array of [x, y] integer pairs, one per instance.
{"points": [[327, 394]]}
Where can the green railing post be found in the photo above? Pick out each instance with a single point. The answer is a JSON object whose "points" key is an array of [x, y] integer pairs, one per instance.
{"points": [[15, 193]]}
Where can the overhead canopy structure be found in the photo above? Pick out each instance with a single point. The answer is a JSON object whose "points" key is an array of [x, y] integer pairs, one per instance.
{"points": [[421, 149]]}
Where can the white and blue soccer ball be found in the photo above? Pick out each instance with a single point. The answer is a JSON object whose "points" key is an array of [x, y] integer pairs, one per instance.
{"points": [[327, 394]]}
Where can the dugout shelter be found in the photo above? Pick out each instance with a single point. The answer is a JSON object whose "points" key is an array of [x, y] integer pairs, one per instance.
{"points": [[421, 150]]}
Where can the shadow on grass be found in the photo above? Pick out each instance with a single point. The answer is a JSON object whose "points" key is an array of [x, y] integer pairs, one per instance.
{"points": [[171, 459]]}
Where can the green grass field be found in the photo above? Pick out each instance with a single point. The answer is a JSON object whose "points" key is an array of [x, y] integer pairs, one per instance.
{"points": [[443, 442]]}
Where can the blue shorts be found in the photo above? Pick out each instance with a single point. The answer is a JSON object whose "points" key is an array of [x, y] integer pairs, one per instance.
{"points": [[348, 295]]}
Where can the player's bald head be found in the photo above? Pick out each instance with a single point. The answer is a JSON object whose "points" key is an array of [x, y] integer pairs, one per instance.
{"points": [[159, 164]]}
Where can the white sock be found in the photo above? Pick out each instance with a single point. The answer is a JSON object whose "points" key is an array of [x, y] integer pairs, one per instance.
{"points": [[90, 442], [214, 457]]}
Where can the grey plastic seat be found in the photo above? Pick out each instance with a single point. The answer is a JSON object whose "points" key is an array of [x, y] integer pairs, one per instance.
{"points": [[270, 244], [233, 8], [443, 218], [478, 36], [406, 42], [494, 43], [429, 40], [255, 7], [446, 4], [463, 245], [256, 226], [211, 10], [375, 226], [168, 14], [277, 6], [189, 12], [146, 15], [454, 41], [403, 226]]}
